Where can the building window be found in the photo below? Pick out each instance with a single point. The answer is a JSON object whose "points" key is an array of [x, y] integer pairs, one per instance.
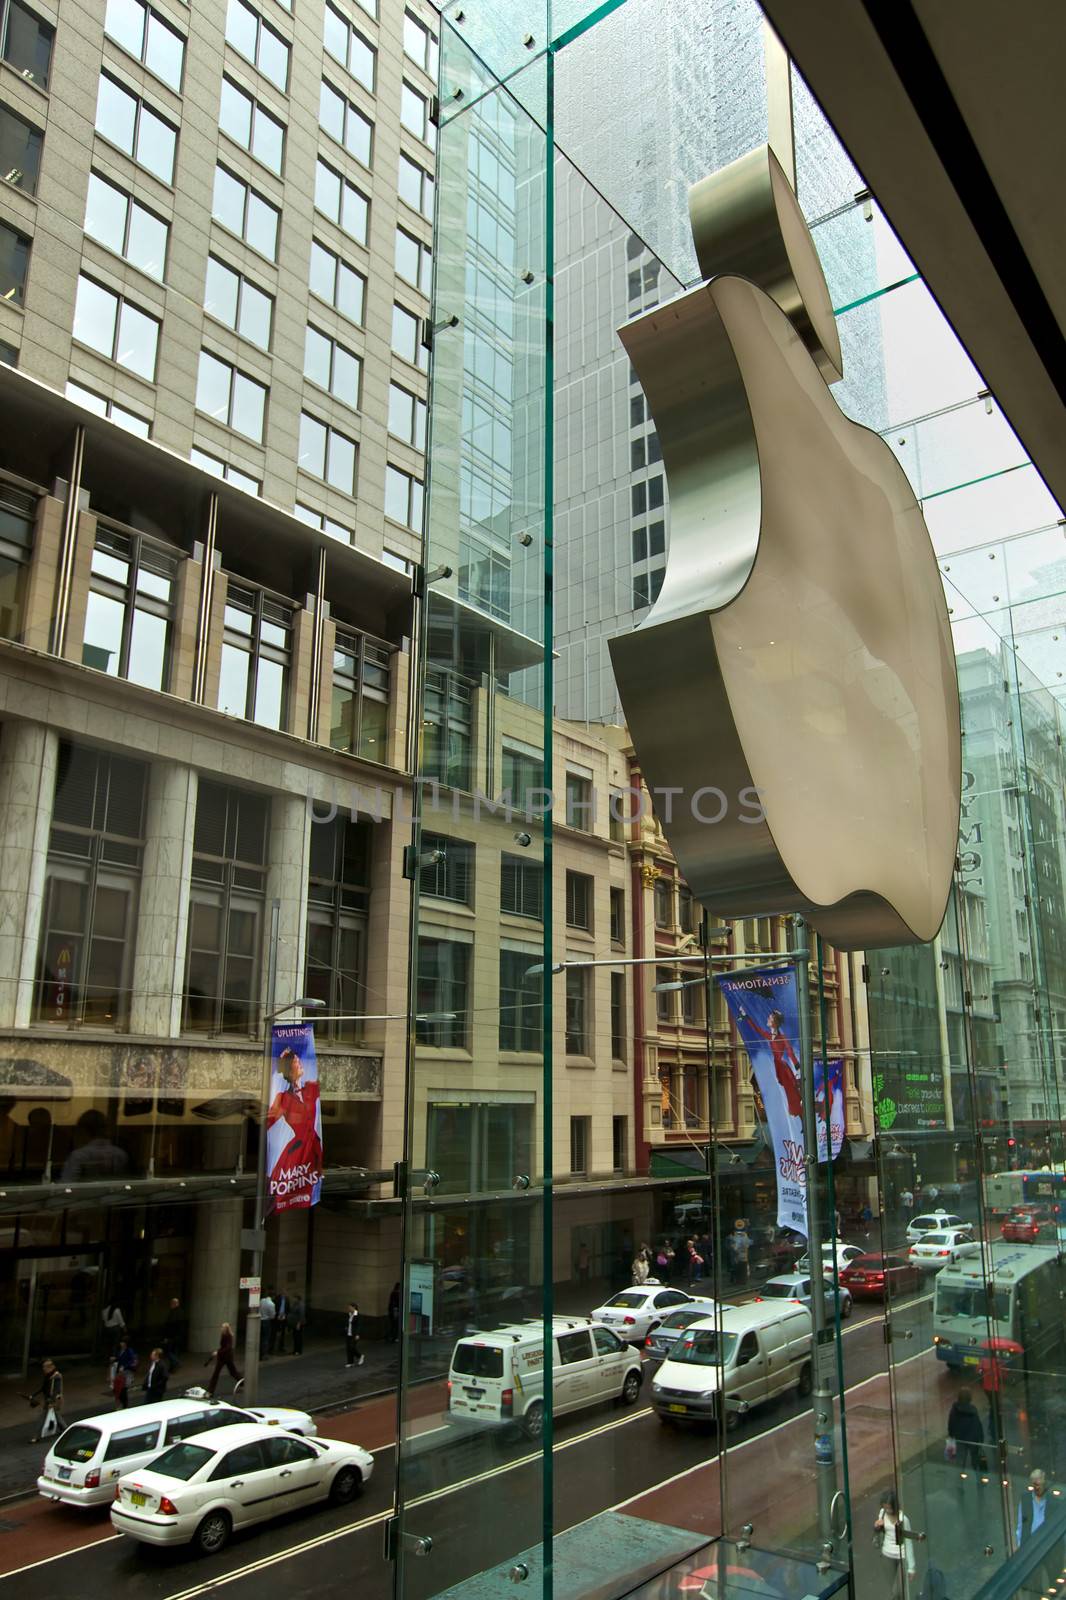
{"points": [[521, 1002], [335, 282], [619, 1142], [419, 44], [18, 515], [338, 901], [578, 802], [407, 339], [238, 303], [143, 33], [318, 519], [251, 125], [416, 187], [447, 728], [442, 991], [452, 877], [14, 263], [101, 406], [403, 498], [224, 469], [90, 893], [647, 587], [484, 577], [665, 1003], [345, 123], [692, 1001], [246, 213], [256, 656], [114, 219], [580, 1139], [414, 114], [618, 1016], [414, 260], [257, 42], [132, 125], [522, 887], [20, 151], [686, 909], [115, 328], [27, 42], [231, 397], [341, 202], [577, 1018], [618, 916], [225, 910], [523, 780], [347, 45], [327, 454], [579, 900], [407, 416], [360, 714], [130, 609], [664, 903], [332, 366]]}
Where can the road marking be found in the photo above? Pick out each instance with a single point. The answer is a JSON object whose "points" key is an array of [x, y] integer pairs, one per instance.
{"points": [[59, 1556], [267, 1561]]}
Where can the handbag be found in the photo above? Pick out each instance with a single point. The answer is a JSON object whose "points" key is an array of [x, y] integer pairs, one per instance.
{"points": [[951, 1450]]}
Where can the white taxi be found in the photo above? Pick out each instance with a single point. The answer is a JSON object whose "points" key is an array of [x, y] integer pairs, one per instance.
{"points": [[200, 1490], [936, 1250], [633, 1313]]}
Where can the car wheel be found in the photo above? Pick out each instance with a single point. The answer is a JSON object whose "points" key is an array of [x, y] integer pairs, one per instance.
{"points": [[213, 1533], [806, 1382], [345, 1486], [845, 1308], [631, 1389], [533, 1421], [732, 1420]]}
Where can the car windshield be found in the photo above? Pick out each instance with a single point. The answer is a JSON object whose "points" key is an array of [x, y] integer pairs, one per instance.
{"points": [[702, 1349], [630, 1298], [77, 1444], [478, 1360], [960, 1300], [936, 1238], [182, 1460], [681, 1319], [781, 1291]]}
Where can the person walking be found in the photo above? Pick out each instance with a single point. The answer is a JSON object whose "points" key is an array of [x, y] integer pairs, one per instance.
{"points": [[694, 1262], [156, 1378], [173, 1339], [114, 1329], [354, 1356], [266, 1326], [281, 1319], [394, 1315], [966, 1433], [297, 1321], [739, 1251], [897, 1547], [125, 1367], [992, 1375], [223, 1359], [641, 1267], [582, 1262], [50, 1394], [1033, 1508]]}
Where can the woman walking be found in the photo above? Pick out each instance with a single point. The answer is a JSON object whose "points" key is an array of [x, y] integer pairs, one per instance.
{"points": [[224, 1360], [897, 1550]]}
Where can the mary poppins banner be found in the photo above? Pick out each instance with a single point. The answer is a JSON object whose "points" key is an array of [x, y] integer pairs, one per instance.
{"points": [[764, 1006], [294, 1120]]}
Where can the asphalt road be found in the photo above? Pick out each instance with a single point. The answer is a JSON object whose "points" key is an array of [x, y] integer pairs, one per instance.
{"points": [[480, 1501]]}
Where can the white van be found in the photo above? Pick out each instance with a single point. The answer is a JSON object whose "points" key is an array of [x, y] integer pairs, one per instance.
{"points": [[498, 1377], [760, 1350], [87, 1459]]}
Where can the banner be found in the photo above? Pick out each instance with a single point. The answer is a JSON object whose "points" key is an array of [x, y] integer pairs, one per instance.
{"points": [[294, 1119], [763, 1003]]}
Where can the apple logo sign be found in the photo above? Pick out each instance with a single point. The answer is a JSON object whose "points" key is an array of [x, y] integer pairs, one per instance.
{"points": [[800, 645]]}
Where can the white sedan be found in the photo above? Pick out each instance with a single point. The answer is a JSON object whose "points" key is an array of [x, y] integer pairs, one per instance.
{"points": [[936, 1250], [845, 1255], [200, 1490], [633, 1313]]}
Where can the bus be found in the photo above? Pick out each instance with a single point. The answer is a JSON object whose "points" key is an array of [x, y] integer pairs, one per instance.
{"points": [[1009, 1291], [1004, 1190]]}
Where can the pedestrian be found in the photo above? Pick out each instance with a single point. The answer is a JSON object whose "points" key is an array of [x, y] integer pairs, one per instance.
{"points": [[894, 1532], [354, 1356], [1032, 1511], [125, 1367], [664, 1257], [641, 1267], [906, 1199], [50, 1394], [739, 1250], [297, 1322], [582, 1261], [114, 1329], [281, 1318], [695, 1262], [223, 1359], [266, 1326], [992, 1375], [156, 1377], [966, 1435], [173, 1340], [394, 1315]]}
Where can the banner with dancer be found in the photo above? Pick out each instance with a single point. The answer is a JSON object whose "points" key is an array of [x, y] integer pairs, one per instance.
{"points": [[294, 1119], [764, 1006]]}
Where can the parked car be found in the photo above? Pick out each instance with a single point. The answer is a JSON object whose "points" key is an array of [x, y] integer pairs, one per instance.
{"points": [[931, 1222], [633, 1313], [657, 1345], [873, 1276], [796, 1287], [86, 1460], [200, 1490], [936, 1250]]}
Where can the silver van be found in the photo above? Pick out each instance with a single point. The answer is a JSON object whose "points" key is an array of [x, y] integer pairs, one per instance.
{"points": [[754, 1351]]}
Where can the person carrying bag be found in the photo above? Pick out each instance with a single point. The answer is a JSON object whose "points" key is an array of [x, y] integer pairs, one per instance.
{"points": [[892, 1536]]}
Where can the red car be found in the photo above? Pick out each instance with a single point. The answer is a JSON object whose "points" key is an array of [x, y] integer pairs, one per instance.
{"points": [[875, 1275], [1026, 1227]]}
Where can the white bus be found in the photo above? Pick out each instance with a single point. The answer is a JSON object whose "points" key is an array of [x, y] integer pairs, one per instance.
{"points": [[1009, 1291]]}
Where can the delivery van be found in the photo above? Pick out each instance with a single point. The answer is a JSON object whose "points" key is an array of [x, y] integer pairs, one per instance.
{"points": [[498, 1377], [758, 1351]]}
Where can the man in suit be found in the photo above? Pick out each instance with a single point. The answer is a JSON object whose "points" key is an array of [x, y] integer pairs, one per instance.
{"points": [[281, 1317], [155, 1379]]}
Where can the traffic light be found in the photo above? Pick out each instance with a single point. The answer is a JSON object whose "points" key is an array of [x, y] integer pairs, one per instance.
{"points": [[1011, 1142]]}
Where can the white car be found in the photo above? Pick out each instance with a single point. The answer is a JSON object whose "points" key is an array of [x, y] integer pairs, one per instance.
{"points": [[87, 1459], [633, 1313], [845, 1255], [936, 1250], [932, 1222], [200, 1490]]}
